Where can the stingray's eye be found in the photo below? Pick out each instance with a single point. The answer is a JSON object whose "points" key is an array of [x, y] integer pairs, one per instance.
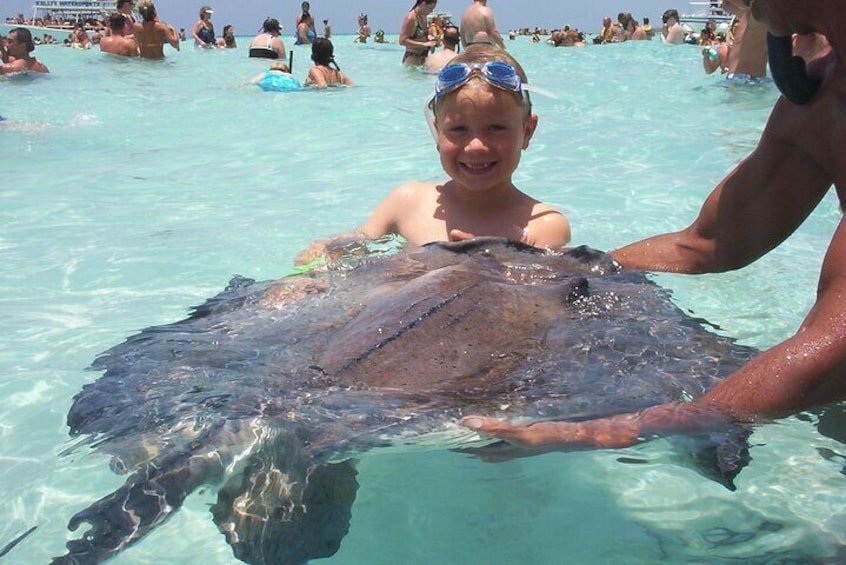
{"points": [[578, 288]]}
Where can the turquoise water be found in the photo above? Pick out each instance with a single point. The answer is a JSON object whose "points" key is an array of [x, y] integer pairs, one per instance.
{"points": [[132, 190]]}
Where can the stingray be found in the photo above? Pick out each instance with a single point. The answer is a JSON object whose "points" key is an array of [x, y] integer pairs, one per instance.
{"points": [[270, 390]]}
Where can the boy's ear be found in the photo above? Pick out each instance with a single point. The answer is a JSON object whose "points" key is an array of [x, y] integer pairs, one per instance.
{"points": [[529, 127]]}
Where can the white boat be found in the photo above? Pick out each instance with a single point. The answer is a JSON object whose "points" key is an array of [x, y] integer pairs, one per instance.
{"points": [[446, 18], [701, 13], [72, 10], [61, 15]]}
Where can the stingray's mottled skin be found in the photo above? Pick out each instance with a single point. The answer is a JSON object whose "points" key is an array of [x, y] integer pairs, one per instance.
{"points": [[269, 388]]}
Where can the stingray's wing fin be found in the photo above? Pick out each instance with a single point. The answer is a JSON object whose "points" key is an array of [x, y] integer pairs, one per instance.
{"points": [[719, 455]]}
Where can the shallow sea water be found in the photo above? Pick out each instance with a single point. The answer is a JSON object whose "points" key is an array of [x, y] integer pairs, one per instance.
{"points": [[133, 190]]}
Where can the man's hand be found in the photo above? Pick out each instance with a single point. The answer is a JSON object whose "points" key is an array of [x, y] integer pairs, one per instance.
{"points": [[458, 235]]}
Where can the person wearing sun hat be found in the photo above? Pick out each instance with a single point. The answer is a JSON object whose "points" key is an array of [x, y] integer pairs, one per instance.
{"points": [[267, 44], [203, 31]]}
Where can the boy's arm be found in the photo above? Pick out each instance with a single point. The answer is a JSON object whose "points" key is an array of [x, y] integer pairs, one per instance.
{"points": [[387, 217], [382, 221], [328, 248]]}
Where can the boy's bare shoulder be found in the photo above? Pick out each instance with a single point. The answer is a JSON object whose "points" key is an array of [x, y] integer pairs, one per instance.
{"points": [[414, 190]]}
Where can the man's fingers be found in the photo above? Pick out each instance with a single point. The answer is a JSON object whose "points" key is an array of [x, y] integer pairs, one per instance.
{"points": [[459, 235], [494, 427]]}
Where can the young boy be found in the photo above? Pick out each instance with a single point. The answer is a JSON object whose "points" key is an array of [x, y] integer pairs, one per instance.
{"points": [[482, 121], [277, 79]]}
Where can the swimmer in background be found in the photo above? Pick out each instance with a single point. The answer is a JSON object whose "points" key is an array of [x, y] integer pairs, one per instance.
{"points": [[450, 39], [436, 29], [151, 34], [618, 29], [363, 29], [414, 35], [268, 44], [203, 30], [672, 32], [16, 55], [379, 37], [79, 38], [277, 79], [632, 30], [125, 7], [478, 25], [483, 121], [745, 59], [327, 29], [228, 39], [606, 33], [322, 74], [306, 33], [648, 29], [120, 40], [567, 38]]}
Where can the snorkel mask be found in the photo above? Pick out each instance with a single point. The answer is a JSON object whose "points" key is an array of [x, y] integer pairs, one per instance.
{"points": [[790, 73]]}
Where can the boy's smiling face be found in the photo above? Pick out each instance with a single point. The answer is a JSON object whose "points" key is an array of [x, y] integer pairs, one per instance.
{"points": [[482, 131]]}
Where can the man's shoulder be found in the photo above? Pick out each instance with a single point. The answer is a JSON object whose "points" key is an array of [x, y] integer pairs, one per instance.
{"points": [[471, 11]]}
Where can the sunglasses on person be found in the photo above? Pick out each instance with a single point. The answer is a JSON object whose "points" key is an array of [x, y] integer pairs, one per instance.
{"points": [[496, 73]]}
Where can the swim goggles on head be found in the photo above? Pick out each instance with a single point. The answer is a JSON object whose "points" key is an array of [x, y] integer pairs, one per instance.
{"points": [[496, 73]]}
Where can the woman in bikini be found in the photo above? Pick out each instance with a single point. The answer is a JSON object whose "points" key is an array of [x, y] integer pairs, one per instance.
{"points": [[151, 34], [414, 35], [322, 74]]}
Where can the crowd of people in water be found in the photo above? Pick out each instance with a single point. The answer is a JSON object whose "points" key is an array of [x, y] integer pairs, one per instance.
{"points": [[426, 35], [430, 39], [481, 116]]}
